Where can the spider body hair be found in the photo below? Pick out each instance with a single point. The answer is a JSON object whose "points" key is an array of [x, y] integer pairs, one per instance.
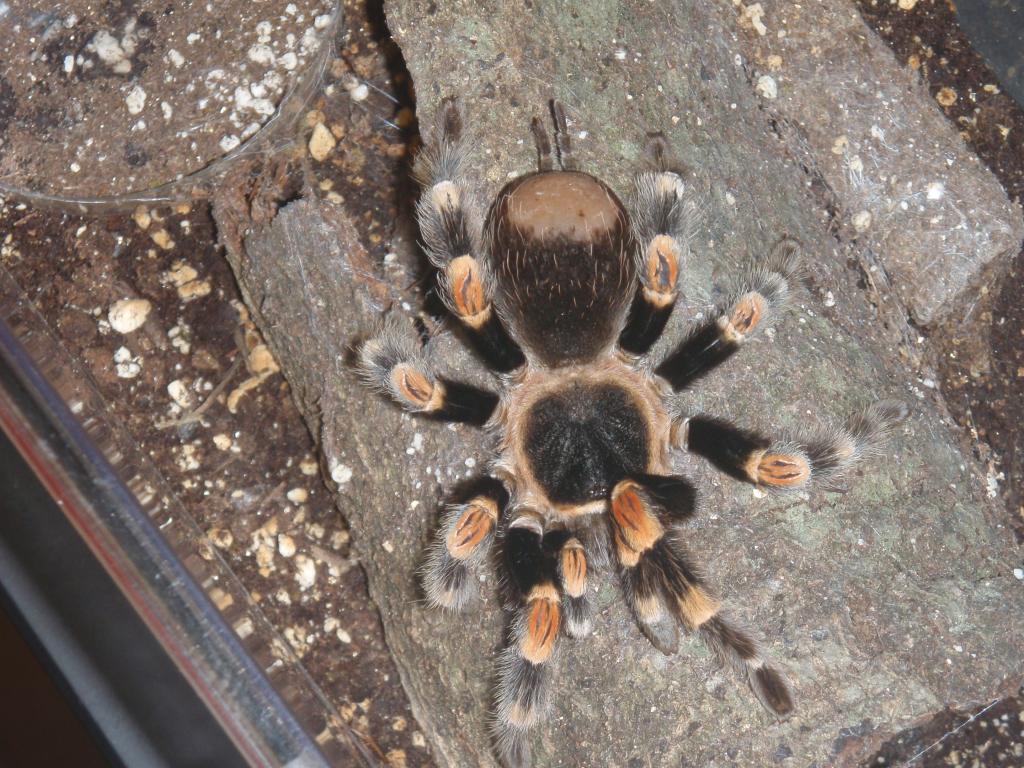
{"points": [[563, 290], [562, 249]]}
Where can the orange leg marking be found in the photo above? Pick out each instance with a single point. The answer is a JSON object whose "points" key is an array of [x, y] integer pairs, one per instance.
{"points": [[661, 270], [472, 527], [467, 291], [574, 568], [636, 528], [746, 315], [696, 606], [783, 470], [541, 628], [416, 388]]}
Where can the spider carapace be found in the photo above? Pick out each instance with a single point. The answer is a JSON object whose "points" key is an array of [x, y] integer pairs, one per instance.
{"points": [[563, 291]]}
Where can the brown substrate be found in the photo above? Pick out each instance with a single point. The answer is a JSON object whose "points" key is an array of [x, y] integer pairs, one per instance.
{"points": [[200, 395]]}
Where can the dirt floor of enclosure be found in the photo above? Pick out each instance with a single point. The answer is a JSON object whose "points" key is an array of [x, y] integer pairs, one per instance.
{"points": [[146, 299]]}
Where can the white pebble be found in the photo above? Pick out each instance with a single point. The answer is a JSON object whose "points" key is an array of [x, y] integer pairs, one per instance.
{"points": [[289, 61], [107, 48], [1018, 573], [127, 367], [243, 97], [136, 100], [341, 474], [261, 54], [263, 107], [297, 495], [179, 393], [936, 190], [229, 142], [305, 571], [176, 58], [862, 220], [285, 545], [128, 315], [767, 87]]}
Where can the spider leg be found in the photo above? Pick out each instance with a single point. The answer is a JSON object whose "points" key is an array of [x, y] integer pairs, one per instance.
{"points": [[460, 545], [762, 293], [664, 215], [394, 363], [665, 588], [525, 665], [756, 459], [642, 511], [572, 579], [450, 218]]}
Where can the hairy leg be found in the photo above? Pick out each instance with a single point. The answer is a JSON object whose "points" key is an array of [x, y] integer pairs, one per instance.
{"points": [[450, 217], [761, 294]]}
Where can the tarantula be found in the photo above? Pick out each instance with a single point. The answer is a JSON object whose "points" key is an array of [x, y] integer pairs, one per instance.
{"points": [[563, 293]]}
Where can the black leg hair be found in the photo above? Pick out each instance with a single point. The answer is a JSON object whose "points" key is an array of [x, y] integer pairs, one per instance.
{"points": [[393, 362], [563, 143], [734, 647], [665, 589], [525, 665], [665, 215], [753, 458], [450, 217], [461, 543], [642, 511], [762, 293]]}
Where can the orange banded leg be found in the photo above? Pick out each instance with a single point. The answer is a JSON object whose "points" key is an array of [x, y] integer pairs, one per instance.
{"points": [[461, 544], [450, 218], [660, 588], [393, 362], [754, 458], [524, 668], [572, 578], [665, 591], [665, 215], [763, 293], [746, 455]]}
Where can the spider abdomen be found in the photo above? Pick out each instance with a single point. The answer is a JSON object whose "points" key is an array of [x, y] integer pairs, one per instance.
{"points": [[583, 439], [561, 251]]}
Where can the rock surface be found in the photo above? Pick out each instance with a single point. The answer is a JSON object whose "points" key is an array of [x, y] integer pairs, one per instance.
{"points": [[902, 183], [884, 601]]}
